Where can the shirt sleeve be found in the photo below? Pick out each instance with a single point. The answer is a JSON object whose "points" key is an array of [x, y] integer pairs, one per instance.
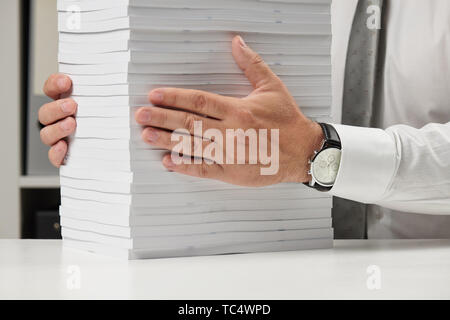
{"points": [[400, 168]]}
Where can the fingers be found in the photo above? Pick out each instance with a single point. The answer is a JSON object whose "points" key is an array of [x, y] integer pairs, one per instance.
{"points": [[57, 153], [199, 102], [204, 170], [256, 70], [163, 139], [60, 130], [173, 119], [51, 112], [57, 84]]}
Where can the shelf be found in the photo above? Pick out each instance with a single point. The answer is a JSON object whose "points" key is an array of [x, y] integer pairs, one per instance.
{"points": [[39, 182]]}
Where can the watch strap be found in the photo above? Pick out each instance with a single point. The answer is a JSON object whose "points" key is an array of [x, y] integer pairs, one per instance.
{"points": [[331, 136], [319, 187]]}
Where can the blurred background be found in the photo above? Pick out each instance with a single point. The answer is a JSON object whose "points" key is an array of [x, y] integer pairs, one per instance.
{"points": [[29, 186]]}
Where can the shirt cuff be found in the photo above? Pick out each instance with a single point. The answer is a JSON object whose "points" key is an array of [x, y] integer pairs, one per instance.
{"points": [[368, 164]]}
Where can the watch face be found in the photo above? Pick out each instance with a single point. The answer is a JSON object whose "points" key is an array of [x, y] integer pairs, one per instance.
{"points": [[325, 166]]}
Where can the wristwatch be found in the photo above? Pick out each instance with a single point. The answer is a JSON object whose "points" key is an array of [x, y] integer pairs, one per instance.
{"points": [[324, 165]]}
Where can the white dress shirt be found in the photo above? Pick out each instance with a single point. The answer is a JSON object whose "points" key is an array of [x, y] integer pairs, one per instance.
{"points": [[403, 167]]}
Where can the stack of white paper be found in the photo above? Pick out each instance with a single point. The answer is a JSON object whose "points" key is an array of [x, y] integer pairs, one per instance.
{"points": [[117, 198]]}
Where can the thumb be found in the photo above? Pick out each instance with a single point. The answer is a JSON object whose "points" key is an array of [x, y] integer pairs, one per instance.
{"points": [[257, 71]]}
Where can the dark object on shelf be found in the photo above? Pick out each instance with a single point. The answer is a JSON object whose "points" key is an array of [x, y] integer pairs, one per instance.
{"points": [[34, 201], [47, 225]]}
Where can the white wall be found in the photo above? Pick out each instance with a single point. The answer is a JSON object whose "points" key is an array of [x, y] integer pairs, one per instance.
{"points": [[9, 125]]}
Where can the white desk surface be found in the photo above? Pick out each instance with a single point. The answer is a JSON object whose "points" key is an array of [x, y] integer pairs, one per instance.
{"points": [[410, 269]]}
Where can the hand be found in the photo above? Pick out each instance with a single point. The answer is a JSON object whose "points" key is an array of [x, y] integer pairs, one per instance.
{"points": [[57, 117], [270, 106]]}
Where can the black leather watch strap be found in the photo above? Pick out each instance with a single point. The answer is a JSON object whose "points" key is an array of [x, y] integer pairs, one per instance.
{"points": [[331, 136], [320, 188]]}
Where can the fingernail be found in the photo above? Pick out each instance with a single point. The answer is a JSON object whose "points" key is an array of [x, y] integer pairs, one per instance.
{"points": [[66, 125], [67, 107], [144, 116], [62, 83], [156, 96], [242, 42], [168, 162], [151, 135]]}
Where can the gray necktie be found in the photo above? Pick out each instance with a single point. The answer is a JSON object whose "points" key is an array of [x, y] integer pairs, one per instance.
{"points": [[349, 217]]}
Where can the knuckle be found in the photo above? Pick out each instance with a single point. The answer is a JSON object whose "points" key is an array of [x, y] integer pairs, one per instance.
{"points": [[172, 97], [71, 103], [189, 122], [161, 117], [256, 59], [199, 101]]}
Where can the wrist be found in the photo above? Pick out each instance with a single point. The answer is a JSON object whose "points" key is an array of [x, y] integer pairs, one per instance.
{"points": [[314, 141], [317, 139]]}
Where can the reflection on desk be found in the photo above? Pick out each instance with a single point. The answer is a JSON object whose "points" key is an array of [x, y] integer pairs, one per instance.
{"points": [[406, 269]]}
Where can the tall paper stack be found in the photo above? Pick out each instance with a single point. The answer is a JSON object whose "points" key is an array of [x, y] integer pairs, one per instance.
{"points": [[117, 198]]}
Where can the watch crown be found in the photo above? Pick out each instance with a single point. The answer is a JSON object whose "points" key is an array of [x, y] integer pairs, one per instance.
{"points": [[309, 172], [315, 152]]}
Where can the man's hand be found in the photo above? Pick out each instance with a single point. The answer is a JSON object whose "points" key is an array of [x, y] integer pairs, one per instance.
{"points": [[269, 106], [57, 117]]}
